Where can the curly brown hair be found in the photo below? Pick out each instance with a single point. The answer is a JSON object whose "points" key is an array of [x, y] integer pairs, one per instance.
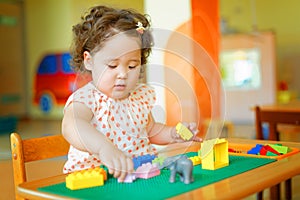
{"points": [[101, 23]]}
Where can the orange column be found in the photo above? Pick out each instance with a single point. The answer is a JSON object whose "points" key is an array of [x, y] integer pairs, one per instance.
{"points": [[205, 26], [205, 31], [202, 72]]}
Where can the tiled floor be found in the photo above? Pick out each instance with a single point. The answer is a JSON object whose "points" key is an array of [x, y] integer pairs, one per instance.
{"points": [[29, 129]]}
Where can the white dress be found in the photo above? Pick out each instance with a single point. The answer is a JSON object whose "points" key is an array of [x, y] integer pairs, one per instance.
{"points": [[122, 121]]}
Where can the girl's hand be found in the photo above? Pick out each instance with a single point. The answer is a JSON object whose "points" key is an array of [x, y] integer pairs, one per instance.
{"points": [[118, 164], [192, 128]]}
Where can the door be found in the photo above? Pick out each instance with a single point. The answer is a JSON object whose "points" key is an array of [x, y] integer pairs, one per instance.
{"points": [[12, 65]]}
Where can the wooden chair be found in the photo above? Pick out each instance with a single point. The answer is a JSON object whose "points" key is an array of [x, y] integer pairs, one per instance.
{"points": [[34, 149], [272, 119]]}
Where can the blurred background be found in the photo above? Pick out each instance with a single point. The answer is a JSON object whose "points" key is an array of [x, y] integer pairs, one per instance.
{"points": [[253, 45]]}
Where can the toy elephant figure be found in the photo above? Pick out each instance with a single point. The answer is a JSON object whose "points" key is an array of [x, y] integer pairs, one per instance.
{"points": [[182, 165]]}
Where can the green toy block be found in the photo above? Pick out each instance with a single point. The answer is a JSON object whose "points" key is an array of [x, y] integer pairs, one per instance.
{"points": [[269, 153], [279, 148], [158, 160]]}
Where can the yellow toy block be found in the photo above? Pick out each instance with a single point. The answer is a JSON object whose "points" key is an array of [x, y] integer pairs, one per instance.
{"points": [[196, 160], [86, 178], [214, 154], [184, 132]]}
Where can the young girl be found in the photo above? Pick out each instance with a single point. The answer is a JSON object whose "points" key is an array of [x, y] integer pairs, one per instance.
{"points": [[108, 121]]}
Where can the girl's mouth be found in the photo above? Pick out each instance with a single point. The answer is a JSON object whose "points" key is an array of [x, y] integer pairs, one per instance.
{"points": [[120, 86]]}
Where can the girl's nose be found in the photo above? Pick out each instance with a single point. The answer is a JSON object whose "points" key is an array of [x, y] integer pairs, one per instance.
{"points": [[122, 72]]}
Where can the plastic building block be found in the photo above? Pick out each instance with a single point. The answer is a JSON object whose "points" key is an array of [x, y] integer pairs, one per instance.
{"points": [[144, 171], [86, 178], [129, 178], [230, 150], [269, 148], [215, 154], [158, 161], [255, 150], [138, 161], [147, 171], [196, 160], [279, 148], [102, 171], [266, 149], [199, 153], [184, 132], [269, 153]]}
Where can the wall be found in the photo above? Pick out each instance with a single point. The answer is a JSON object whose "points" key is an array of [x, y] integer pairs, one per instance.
{"points": [[48, 29], [12, 88], [240, 100], [280, 17], [175, 95], [185, 56]]}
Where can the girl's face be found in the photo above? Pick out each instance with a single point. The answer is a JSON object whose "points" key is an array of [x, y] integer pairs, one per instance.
{"points": [[116, 66]]}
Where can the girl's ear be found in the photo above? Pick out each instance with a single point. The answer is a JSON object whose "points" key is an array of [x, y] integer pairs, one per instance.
{"points": [[87, 60]]}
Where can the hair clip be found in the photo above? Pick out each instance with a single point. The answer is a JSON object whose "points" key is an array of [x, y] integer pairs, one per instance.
{"points": [[140, 28]]}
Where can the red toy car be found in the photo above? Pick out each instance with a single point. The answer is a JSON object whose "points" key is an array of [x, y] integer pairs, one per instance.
{"points": [[55, 81]]}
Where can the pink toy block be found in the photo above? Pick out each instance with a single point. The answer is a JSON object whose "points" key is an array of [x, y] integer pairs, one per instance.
{"points": [[147, 171], [129, 178]]}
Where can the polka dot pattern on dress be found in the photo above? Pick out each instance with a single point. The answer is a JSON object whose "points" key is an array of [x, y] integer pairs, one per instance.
{"points": [[123, 122]]}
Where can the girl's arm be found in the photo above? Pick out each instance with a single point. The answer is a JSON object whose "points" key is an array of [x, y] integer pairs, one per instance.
{"points": [[78, 131], [161, 134]]}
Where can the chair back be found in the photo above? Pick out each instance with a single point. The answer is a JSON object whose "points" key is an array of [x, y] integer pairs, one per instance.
{"points": [[258, 123], [34, 149]]}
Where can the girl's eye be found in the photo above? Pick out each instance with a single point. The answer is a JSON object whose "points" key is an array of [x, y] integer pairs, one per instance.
{"points": [[131, 67], [112, 66]]}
